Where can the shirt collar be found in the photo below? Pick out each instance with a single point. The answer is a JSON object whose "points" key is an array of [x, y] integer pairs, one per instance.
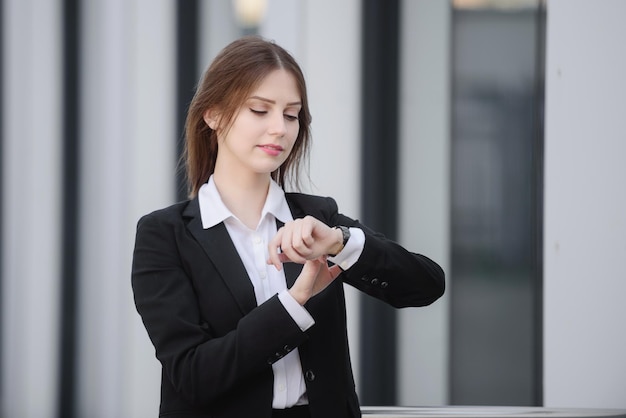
{"points": [[276, 204], [213, 210]]}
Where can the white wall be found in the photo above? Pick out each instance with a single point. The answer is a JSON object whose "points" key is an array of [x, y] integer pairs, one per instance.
{"points": [[31, 207], [424, 191], [331, 61], [127, 170], [585, 205]]}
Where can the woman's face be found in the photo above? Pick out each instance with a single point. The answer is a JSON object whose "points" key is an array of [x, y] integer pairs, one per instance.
{"points": [[264, 129]]}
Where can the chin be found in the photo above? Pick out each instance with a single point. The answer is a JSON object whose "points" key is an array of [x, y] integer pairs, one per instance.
{"points": [[266, 170]]}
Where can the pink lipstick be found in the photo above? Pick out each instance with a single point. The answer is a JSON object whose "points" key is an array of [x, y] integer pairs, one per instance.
{"points": [[271, 149]]}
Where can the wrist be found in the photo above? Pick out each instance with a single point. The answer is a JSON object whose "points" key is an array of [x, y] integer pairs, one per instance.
{"points": [[343, 235], [300, 297]]}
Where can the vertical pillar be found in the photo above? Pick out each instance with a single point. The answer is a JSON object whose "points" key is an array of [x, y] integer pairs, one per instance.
{"points": [[379, 198], [70, 214], [128, 144], [424, 189], [187, 23]]}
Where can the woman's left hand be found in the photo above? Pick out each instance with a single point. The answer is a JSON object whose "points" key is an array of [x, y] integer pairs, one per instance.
{"points": [[316, 275], [304, 239]]}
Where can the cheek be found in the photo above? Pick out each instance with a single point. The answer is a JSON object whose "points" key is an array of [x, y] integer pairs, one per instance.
{"points": [[294, 131], [293, 138]]}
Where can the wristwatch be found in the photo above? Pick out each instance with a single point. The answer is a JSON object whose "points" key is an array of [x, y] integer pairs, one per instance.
{"points": [[345, 232]]}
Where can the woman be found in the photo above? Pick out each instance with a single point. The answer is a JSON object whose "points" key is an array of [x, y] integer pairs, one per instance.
{"points": [[241, 287]]}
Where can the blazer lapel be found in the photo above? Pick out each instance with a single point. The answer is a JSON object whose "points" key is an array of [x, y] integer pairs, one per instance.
{"points": [[220, 249]]}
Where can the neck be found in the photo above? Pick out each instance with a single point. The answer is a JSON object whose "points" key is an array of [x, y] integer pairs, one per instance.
{"points": [[244, 196]]}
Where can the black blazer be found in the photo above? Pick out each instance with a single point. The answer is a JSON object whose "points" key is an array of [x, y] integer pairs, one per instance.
{"points": [[216, 346]]}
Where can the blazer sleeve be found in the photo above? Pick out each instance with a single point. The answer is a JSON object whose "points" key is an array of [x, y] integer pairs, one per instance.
{"points": [[201, 366], [385, 269]]}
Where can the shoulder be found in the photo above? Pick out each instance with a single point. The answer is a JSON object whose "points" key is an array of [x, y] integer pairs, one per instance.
{"points": [[320, 207], [170, 214], [303, 199]]}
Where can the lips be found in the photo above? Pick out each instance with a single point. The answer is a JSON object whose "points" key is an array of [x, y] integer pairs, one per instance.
{"points": [[272, 146], [271, 149]]}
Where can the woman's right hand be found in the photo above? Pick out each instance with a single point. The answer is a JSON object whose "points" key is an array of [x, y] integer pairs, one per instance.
{"points": [[316, 275]]}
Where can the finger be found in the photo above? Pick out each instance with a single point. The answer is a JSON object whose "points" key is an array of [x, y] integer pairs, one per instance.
{"points": [[310, 270], [296, 235], [307, 278], [302, 239], [287, 244], [293, 256], [306, 231], [282, 258]]}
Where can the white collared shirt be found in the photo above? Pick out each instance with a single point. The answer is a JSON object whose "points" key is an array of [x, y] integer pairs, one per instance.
{"points": [[252, 246]]}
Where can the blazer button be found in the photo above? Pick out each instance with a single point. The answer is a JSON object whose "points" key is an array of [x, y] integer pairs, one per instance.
{"points": [[384, 284], [374, 282], [309, 375]]}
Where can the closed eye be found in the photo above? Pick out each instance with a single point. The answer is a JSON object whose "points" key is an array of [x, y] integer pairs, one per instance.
{"points": [[258, 112], [291, 118]]}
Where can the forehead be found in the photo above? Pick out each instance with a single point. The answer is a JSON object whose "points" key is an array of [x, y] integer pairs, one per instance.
{"points": [[278, 84]]}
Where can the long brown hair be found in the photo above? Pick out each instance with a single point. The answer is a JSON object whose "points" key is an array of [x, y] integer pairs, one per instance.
{"points": [[226, 85]]}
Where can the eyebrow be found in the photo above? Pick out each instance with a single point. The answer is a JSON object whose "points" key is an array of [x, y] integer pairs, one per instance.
{"points": [[263, 99]]}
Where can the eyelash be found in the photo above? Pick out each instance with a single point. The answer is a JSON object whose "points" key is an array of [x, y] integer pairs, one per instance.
{"points": [[290, 118]]}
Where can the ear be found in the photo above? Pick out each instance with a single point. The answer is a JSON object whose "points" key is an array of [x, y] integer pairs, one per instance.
{"points": [[211, 118]]}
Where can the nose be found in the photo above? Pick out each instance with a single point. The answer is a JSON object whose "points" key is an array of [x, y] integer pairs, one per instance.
{"points": [[277, 125]]}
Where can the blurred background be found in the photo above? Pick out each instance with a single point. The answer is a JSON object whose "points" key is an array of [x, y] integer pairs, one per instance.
{"points": [[486, 134]]}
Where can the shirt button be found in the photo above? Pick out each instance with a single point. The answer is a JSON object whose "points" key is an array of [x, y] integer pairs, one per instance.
{"points": [[262, 274], [281, 387], [256, 239]]}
